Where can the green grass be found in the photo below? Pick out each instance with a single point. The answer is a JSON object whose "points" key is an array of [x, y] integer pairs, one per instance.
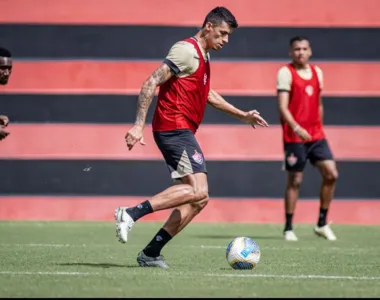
{"points": [[39, 259]]}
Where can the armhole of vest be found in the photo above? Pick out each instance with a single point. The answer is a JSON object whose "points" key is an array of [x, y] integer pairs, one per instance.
{"points": [[315, 73], [201, 58], [289, 67], [198, 50], [188, 40]]}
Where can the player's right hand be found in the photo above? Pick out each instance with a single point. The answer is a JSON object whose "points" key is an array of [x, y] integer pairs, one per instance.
{"points": [[4, 120], [303, 134], [134, 135]]}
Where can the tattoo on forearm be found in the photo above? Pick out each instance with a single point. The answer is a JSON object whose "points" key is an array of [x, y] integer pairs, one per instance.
{"points": [[146, 96]]}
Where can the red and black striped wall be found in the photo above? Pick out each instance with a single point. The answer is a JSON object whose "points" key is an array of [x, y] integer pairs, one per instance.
{"points": [[79, 65]]}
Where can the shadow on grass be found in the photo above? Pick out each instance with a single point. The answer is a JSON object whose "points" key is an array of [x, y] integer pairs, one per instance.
{"points": [[98, 265]]}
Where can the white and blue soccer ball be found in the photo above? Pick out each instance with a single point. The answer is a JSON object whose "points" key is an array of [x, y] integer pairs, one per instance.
{"points": [[243, 253]]}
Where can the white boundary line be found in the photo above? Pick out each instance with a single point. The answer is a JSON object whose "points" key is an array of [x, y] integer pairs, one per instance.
{"points": [[296, 276], [48, 273], [49, 245], [286, 276]]}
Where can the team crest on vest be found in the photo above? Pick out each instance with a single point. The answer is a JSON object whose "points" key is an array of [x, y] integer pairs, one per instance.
{"points": [[198, 157], [292, 160], [309, 90], [205, 79]]}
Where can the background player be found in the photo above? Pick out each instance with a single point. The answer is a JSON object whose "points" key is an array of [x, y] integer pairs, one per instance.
{"points": [[299, 86]]}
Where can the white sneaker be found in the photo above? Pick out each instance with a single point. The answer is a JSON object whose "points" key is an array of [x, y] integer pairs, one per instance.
{"points": [[124, 224], [290, 236], [326, 232]]}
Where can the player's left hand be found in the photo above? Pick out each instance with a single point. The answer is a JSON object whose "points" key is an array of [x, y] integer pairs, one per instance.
{"points": [[253, 117], [4, 120]]}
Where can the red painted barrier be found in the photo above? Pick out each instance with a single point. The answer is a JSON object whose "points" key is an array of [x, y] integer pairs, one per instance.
{"points": [[318, 13], [218, 210], [86, 141], [237, 78]]}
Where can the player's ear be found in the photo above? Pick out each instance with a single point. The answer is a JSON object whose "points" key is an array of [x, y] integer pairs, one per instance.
{"points": [[208, 26]]}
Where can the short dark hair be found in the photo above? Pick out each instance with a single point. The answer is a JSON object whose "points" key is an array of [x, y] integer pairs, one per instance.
{"points": [[5, 52], [220, 14], [298, 38]]}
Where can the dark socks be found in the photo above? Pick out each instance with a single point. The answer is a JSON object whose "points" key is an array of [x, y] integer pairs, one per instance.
{"points": [[153, 249], [140, 210], [322, 217], [289, 222]]}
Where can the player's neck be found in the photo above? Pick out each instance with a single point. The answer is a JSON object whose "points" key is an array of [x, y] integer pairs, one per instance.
{"points": [[200, 36], [301, 66]]}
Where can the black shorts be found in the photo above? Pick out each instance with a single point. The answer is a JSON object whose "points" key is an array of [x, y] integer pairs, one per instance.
{"points": [[296, 154], [181, 152]]}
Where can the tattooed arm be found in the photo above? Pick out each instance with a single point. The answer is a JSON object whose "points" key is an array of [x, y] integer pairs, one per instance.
{"points": [[158, 77]]}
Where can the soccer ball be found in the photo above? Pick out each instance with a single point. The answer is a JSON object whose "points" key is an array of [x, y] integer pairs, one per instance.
{"points": [[243, 253]]}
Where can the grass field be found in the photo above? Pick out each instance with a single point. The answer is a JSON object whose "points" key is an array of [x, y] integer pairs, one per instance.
{"points": [[84, 259]]}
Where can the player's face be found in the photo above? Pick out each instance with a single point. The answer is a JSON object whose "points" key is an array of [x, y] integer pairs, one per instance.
{"points": [[5, 69], [300, 52], [218, 35]]}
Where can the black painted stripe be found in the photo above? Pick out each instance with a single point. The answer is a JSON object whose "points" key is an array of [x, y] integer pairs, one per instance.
{"points": [[23, 108], [145, 178], [153, 42]]}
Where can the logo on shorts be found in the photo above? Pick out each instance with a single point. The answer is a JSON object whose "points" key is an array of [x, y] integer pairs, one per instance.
{"points": [[198, 157], [309, 90], [292, 160], [205, 79]]}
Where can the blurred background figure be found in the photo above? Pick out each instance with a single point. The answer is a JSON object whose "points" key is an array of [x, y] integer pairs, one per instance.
{"points": [[299, 87], [5, 73]]}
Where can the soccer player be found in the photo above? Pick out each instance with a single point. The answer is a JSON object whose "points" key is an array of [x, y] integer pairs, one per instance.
{"points": [[184, 81], [299, 86], [5, 73]]}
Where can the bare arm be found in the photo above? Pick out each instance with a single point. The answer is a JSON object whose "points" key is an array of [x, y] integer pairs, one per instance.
{"points": [[321, 85], [251, 117], [217, 102], [3, 123], [158, 77], [286, 115], [321, 111]]}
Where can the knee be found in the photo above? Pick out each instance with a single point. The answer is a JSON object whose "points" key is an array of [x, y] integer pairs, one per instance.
{"points": [[200, 198], [195, 194], [331, 176], [200, 194], [295, 181], [201, 204]]}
